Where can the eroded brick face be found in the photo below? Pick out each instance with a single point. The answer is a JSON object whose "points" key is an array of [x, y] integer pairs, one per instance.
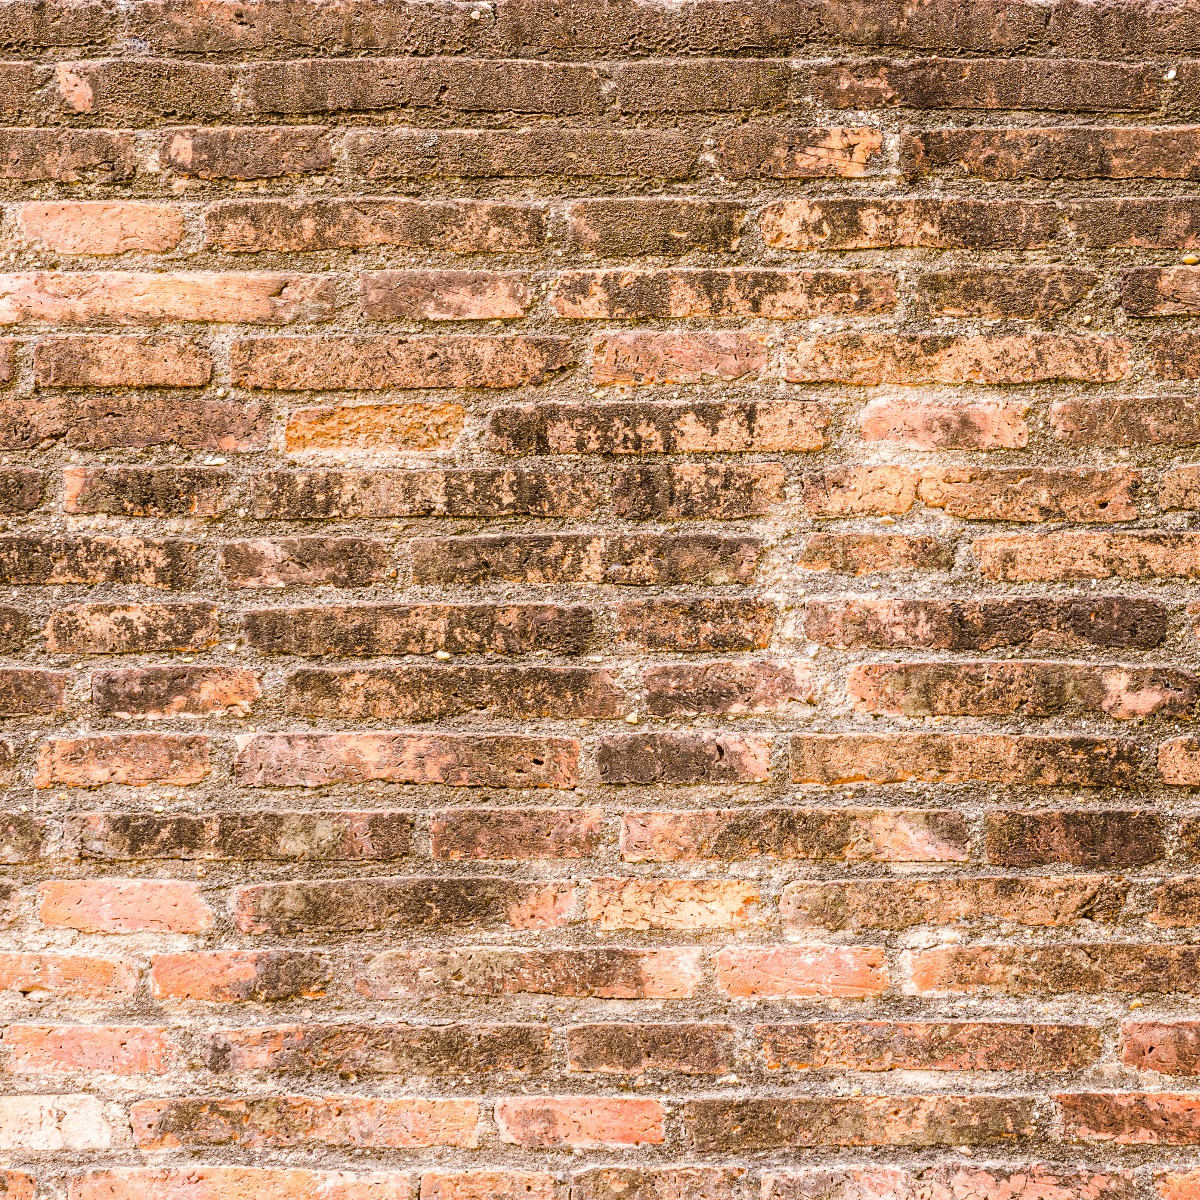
{"points": [[598, 600]]}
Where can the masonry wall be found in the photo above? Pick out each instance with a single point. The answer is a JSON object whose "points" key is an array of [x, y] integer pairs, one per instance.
{"points": [[598, 600]]}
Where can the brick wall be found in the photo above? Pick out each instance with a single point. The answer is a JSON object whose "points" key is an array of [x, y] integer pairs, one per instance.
{"points": [[598, 600]]}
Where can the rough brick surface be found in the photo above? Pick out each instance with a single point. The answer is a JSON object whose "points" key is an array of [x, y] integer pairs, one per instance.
{"points": [[598, 599]]}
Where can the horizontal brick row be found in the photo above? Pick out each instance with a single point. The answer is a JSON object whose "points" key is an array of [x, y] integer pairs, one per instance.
{"points": [[651, 225], [1083, 837], [624, 560], [81, 1122], [140, 90], [758, 150], [419, 692], [530, 29], [693, 1048], [760, 972], [686, 757], [472, 902]]}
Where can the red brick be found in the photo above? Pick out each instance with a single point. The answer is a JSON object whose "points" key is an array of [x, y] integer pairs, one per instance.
{"points": [[613, 973], [1069, 555], [901, 904], [66, 155], [579, 1121], [946, 425], [381, 1049], [1033, 292], [351, 905], [104, 422], [657, 1183], [374, 427], [680, 904], [690, 689], [1154, 222], [662, 427], [666, 759], [134, 90], [673, 358], [769, 152], [419, 693], [245, 153], [712, 491], [1077, 152], [103, 1049], [1087, 839], [18, 1186], [1179, 488], [124, 361], [303, 1121], [1131, 1118], [304, 562], [1123, 968], [233, 976], [318, 759], [832, 758], [1127, 421], [870, 553], [636, 225], [124, 906], [40, 561], [175, 691], [869, 359], [1176, 1185], [270, 836], [625, 293], [518, 153], [26, 690], [717, 623], [1029, 689], [322, 492], [1033, 494], [628, 1049], [460, 226], [1058, 623], [486, 1185], [952, 1180], [917, 221], [320, 85], [1161, 291], [67, 976], [726, 1123], [633, 560], [101, 226], [1176, 903], [859, 491], [147, 491], [699, 85], [926, 1046], [444, 295], [385, 361], [1174, 355], [1169, 1047], [526, 833], [355, 630], [130, 298], [75, 1122], [173, 759], [854, 834], [1049, 85], [798, 972], [237, 1183], [131, 628]]}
